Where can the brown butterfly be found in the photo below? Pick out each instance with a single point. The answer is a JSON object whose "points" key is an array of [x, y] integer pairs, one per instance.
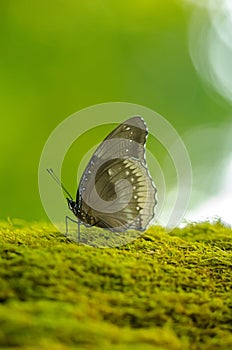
{"points": [[116, 191]]}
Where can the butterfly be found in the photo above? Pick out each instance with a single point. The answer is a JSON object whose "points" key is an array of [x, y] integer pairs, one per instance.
{"points": [[116, 191]]}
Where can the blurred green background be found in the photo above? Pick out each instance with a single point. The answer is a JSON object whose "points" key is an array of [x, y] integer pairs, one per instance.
{"points": [[58, 57]]}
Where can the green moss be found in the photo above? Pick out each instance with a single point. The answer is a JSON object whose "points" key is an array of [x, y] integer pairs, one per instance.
{"points": [[161, 291]]}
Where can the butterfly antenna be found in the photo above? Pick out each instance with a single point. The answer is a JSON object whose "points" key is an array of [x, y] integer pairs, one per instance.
{"points": [[53, 175]]}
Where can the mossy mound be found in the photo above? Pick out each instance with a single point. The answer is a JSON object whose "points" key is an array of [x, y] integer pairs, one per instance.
{"points": [[162, 291]]}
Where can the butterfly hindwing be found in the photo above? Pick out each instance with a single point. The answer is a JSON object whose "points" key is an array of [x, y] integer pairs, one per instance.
{"points": [[129, 195]]}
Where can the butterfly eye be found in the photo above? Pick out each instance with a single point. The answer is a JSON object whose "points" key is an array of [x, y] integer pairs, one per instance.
{"points": [[71, 204]]}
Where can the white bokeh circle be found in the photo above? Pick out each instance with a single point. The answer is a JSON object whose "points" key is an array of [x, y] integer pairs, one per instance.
{"points": [[65, 134]]}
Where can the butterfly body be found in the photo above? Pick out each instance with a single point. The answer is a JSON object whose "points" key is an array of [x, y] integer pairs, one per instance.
{"points": [[116, 191], [84, 217]]}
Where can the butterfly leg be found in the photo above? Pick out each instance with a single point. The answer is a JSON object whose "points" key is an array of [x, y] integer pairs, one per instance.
{"points": [[77, 222], [79, 231]]}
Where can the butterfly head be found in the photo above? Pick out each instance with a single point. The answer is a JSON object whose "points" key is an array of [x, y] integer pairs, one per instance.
{"points": [[72, 205]]}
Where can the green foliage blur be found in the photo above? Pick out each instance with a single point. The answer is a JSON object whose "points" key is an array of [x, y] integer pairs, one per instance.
{"points": [[58, 57]]}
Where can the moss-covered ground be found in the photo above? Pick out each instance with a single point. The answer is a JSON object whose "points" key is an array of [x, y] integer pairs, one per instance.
{"points": [[162, 291]]}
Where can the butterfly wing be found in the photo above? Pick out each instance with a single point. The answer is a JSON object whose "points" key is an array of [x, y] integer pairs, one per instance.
{"points": [[128, 194], [116, 190], [128, 139]]}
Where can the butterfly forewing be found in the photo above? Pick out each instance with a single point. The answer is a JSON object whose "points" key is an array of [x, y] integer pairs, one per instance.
{"points": [[131, 138], [127, 140]]}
